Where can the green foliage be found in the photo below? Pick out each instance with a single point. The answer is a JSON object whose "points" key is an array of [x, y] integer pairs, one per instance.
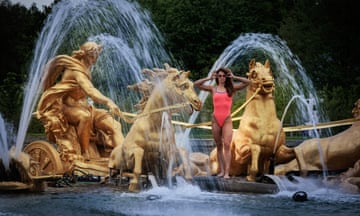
{"points": [[11, 92], [323, 34], [19, 31], [198, 31], [339, 101]]}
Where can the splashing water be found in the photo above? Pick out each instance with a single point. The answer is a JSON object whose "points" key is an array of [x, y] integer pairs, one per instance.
{"points": [[153, 182], [297, 183], [7, 137], [4, 156], [166, 132], [291, 78], [309, 104], [130, 42]]}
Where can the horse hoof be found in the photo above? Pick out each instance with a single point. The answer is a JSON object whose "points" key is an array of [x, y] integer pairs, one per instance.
{"points": [[188, 178], [250, 178], [134, 188], [300, 196]]}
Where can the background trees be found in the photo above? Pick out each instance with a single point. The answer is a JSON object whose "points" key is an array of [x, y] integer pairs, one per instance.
{"points": [[197, 31], [19, 29], [324, 34]]}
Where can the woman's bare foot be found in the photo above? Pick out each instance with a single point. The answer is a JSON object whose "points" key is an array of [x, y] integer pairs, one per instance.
{"points": [[226, 176], [220, 175]]}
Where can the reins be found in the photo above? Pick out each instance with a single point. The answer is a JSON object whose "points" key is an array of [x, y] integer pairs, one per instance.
{"points": [[246, 102], [131, 117], [126, 115], [232, 114]]}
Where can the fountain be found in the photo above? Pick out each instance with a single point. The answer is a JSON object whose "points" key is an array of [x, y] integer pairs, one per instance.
{"points": [[118, 66], [125, 51], [291, 81], [72, 23]]}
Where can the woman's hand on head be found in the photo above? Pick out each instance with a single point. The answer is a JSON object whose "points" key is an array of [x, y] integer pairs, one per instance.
{"points": [[213, 75]]}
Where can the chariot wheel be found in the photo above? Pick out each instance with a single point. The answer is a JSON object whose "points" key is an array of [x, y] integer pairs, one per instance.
{"points": [[47, 158]]}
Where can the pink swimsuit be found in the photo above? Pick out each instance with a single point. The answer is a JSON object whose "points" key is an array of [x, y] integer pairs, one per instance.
{"points": [[222, 106]]}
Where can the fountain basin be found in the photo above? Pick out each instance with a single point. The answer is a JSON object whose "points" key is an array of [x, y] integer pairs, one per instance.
{"points": [[234, 185]]}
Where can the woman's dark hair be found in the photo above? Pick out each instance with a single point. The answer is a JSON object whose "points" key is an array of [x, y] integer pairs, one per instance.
{"points": [[229, 86]]}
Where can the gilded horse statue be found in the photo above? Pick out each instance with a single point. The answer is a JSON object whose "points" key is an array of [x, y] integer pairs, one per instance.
{"points": [[150, 144], [254, 142], [339, 152]]}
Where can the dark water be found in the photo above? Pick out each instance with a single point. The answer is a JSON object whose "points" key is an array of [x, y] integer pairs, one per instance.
{"points": [[188, 200]]}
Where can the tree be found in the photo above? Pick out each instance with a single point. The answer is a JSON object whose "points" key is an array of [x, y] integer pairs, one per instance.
{"points": [[20, 27], [325, 36], [197, 31]]}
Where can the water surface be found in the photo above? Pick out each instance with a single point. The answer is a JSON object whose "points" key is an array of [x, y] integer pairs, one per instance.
{"points": [[183, 200]]}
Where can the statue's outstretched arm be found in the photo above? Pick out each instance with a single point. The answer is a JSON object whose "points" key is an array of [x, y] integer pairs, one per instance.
{"points": [[96, 95]]}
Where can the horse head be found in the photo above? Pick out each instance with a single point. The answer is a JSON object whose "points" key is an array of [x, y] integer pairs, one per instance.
{"points": [[261, 77], [180, 90]]}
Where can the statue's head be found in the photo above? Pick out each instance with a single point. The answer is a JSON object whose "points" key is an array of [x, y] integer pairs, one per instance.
{"points": [[90, 50], [261, 77], [181, 90]]}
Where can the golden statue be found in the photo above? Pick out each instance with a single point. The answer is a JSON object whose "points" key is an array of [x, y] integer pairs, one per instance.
{"points": [[254, 142], [81, 131], [145, 87], [338, 153], [17, 176], [23, 173], [150, 144]]}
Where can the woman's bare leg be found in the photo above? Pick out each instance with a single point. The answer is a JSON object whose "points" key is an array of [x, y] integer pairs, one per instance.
{"points": [[217, 135], [227, 137]]}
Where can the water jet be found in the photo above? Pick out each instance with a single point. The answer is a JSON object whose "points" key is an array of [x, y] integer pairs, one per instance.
{"points": [[124, 69]]}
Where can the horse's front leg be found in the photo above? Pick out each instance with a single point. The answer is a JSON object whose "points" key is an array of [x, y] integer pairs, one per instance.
{"points": [[186, 164], [135, 181], [254, 165]]}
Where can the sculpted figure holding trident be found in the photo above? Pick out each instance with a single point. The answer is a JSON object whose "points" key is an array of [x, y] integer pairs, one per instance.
{"points": [[64, 104]]}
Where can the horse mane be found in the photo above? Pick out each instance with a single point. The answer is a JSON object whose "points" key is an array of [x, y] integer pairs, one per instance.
{"points": [[146, 86]]}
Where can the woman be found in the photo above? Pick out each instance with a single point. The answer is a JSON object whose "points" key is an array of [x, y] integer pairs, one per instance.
{"points": [[222, 94]]}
